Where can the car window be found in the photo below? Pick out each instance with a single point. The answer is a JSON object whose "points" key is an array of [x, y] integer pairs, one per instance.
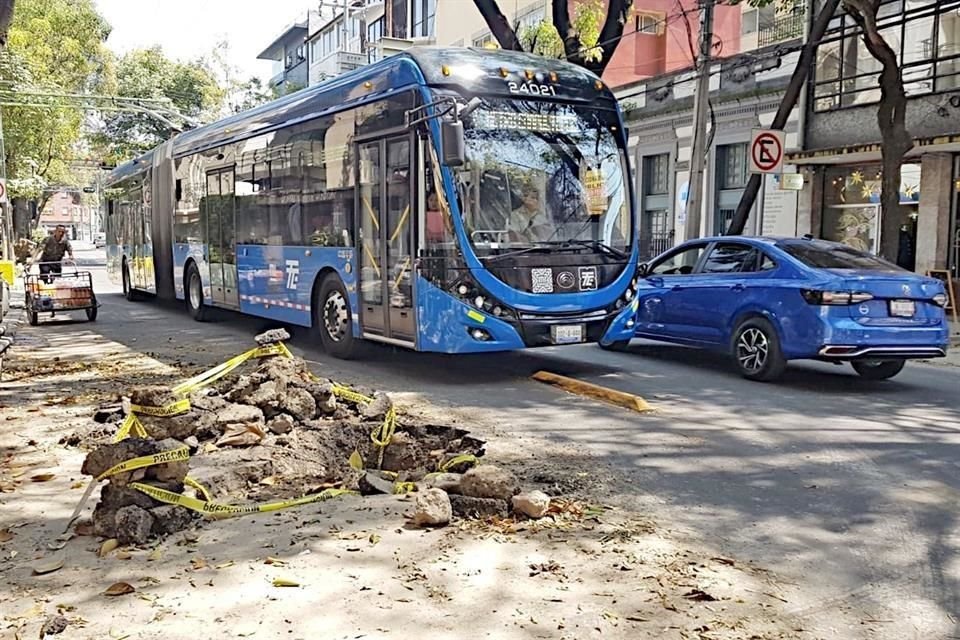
{"points": [[822, 255], [679, 263], [767, 263], [731, 257]]}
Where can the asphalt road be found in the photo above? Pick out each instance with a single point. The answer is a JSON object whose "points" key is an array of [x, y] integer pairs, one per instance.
{"points": [[847, 490]]}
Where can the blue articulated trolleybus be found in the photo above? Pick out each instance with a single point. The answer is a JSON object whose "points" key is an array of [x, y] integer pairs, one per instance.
{"points": [[449, 200]]}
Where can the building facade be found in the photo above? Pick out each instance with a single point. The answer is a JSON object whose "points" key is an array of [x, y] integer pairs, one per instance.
{"points": [[746, 90], [67, 208], [288, 52], [842, 150]]}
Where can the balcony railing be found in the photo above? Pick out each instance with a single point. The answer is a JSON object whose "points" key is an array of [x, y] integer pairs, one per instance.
{"points": [[783, 28]]}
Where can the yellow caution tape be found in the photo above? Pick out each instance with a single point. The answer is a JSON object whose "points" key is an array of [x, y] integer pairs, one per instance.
{"points": [[454, 461], [202, 490], [212, 375], [173, 455], [173, 409], [348, 394], [228, 510], [400, 488], [382, 435], [131, 424]]}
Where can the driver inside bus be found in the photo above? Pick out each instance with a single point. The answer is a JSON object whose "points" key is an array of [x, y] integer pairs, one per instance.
{"points": [[529, 221], [51, 252]]}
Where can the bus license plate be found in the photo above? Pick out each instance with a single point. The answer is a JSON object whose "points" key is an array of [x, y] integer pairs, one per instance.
{"points": [[902, 308], [566, 333]]}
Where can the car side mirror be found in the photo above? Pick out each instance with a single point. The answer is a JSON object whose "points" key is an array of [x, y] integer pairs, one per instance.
{"points": [[643, 269], [452, 143]]}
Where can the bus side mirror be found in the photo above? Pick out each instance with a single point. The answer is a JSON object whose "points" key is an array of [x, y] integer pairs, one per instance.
{"points": [[452, 143], [643, 269]]}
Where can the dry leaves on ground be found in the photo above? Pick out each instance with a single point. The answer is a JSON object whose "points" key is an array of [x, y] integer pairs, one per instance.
{"points": [[119, 589]]}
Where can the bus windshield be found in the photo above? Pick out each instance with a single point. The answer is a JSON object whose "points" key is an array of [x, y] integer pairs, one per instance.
{"points": [[546, 175]]}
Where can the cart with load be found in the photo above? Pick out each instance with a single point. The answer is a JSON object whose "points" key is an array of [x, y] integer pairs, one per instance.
{"points": [[50, 292]]}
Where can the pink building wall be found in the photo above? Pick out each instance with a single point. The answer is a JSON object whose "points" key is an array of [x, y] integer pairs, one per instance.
{"points": [[642, 55]]}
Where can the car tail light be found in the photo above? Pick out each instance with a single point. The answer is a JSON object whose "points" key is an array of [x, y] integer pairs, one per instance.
{"points": [[941, 299], [834, 297]]}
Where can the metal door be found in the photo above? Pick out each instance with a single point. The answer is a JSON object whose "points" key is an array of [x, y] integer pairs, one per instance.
{"points": [[221, 231], [386, 238]]}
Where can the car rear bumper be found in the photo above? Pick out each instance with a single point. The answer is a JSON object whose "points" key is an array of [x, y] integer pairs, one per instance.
{"points": [[859, 352]]}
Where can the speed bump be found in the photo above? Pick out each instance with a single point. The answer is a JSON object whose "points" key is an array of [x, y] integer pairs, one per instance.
{"points": [[581, 388]]}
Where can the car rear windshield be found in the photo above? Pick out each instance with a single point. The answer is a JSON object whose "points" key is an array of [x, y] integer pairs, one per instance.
{"points": [[835, 256]]}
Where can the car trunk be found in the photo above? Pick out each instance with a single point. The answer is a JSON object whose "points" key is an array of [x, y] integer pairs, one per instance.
{"points": [[898, 299]]}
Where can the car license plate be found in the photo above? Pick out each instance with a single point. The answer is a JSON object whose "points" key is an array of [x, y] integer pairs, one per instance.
{"points": [[566, 333], [902, 308]]}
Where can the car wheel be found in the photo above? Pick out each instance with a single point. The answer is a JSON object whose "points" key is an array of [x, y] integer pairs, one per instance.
{"points": [[193, 296], [878, 369], [756, 351], [616, 345], [34, 318], [92, 311], [332, 319], [128, 291]]}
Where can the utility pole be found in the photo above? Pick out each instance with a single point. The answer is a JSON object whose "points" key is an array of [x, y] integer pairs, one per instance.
{"points": [[790, 97], [701, 96]]}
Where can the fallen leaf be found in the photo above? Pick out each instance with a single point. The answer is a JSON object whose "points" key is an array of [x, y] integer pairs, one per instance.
{"points": [[374, 538], [43, 477], [123, 555], [108, 546], [119, 589], [198, 563], [5, 535], [356, 461], [282, 582], [269, 481], [156, 554], [241, 435], [46, 565], [78, 485], [56, 545], [276, 561], [637, 619], [722, 560], [224, 565]]}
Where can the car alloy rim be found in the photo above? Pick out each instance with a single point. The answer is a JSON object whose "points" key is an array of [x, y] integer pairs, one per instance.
{"points": [[752, 349], [335, 316], [195, 299]]}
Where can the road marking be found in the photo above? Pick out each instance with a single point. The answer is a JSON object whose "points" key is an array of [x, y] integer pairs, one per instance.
{"points": [[581, 388]]}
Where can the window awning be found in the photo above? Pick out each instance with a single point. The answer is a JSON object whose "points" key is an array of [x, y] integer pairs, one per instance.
{"points": [[872, 152]]}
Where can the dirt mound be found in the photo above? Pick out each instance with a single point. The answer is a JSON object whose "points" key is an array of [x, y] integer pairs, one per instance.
{"points": [[271, 431]]}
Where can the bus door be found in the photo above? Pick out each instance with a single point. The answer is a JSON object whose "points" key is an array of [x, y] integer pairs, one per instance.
{"points": [[221, 234], [386, 238], [136, 239]]}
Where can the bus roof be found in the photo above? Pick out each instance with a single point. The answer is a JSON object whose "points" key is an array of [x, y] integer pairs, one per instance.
{"points": [[470, 70]]}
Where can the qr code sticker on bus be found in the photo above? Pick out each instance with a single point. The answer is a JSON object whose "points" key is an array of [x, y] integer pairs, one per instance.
{"points": [[542, 280]]}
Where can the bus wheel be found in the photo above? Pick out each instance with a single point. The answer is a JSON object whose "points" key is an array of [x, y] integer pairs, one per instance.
{"points": [[194, 294], [332, 319], [128, 291]]}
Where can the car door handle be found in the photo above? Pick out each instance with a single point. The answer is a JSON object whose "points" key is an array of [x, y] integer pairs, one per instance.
{"points": [[677, 287], [738, 287]]}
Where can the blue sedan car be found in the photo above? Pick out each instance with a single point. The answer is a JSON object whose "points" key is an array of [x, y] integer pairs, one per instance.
{"points": [[769, 300]]}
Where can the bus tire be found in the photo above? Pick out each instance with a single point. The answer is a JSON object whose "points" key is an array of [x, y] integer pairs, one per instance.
{"points": [[128, 291], [332, 319], [193, 294]]}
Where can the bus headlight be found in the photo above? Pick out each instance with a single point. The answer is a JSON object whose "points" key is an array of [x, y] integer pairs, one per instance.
{"points": [[628, 295], [463, 289], [478, 302]]}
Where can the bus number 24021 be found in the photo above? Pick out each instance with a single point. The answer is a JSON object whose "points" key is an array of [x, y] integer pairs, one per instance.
{"points": [[531, 88]]}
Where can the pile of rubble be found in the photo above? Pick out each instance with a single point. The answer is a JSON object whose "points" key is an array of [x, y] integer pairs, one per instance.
{"points": [[273, 433]]}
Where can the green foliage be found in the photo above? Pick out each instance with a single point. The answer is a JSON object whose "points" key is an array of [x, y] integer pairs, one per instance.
{"points": [[587, 21], [53, 46], [187, 88]]}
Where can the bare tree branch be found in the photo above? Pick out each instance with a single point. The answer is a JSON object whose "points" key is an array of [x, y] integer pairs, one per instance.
{"points": [[571, 41], [499, 26]]}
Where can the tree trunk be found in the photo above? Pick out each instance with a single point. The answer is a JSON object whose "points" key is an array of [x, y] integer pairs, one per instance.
{"points": [[571, 41], [498, 24], [891, 119], [6, 16]]}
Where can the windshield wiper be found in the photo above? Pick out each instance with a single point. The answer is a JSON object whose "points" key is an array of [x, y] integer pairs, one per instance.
{"points": [[596, 244], [499, 256]]}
